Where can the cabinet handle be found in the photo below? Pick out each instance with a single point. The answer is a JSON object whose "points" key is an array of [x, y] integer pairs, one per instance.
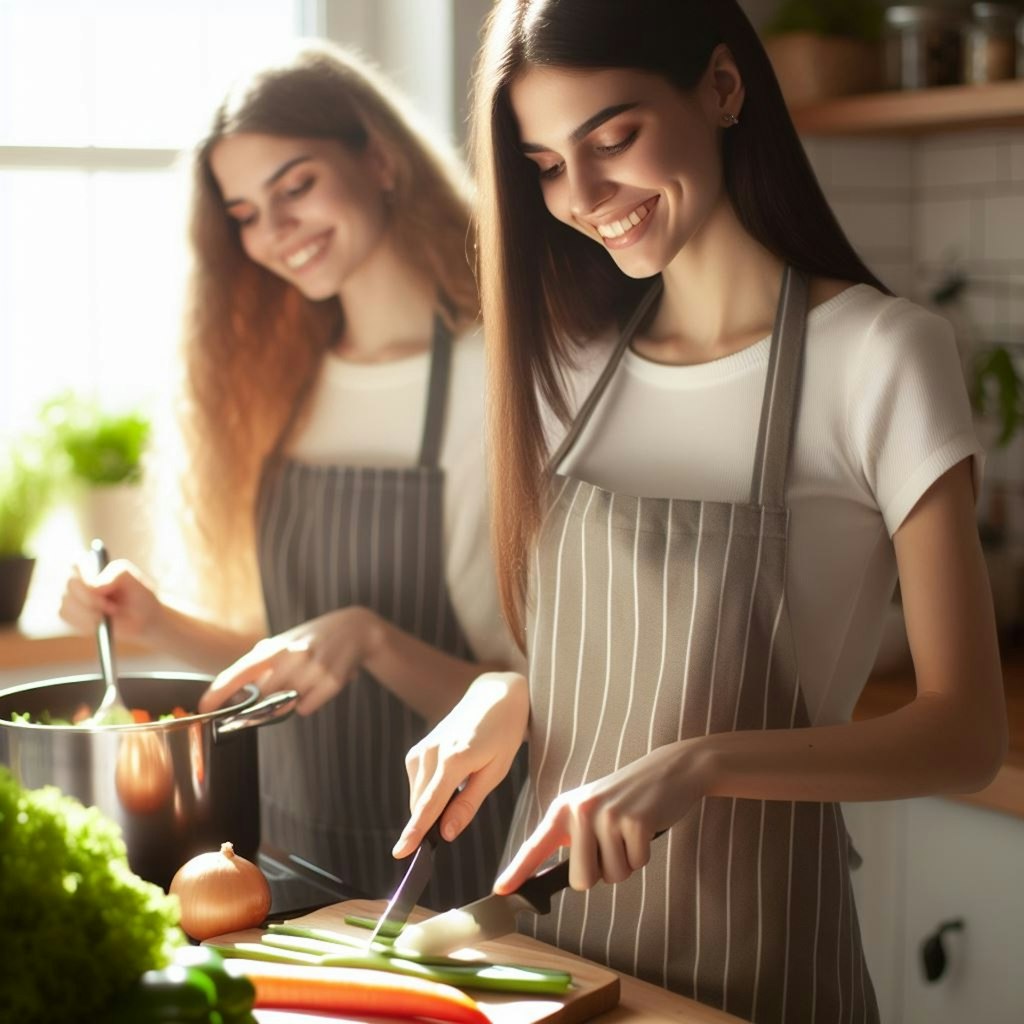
{"points": [[933, 952]]}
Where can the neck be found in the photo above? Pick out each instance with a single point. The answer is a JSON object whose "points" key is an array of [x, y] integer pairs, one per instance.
{"points": [[389, 309], [720, 294]]}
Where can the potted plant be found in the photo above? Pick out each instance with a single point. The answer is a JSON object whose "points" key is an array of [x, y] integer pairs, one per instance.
{"points": [[825, 48], [996, 391], [104, 453], [28, 478]]}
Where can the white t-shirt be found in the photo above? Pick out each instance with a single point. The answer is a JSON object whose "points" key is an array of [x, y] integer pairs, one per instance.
{"points": [[883, 414], [372, 415]]}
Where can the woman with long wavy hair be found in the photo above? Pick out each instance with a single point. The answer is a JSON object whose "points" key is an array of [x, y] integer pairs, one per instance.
{"points": [[718, 441], [333, 408]]}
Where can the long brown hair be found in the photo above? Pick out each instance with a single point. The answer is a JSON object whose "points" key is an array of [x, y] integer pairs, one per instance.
{"points": [[543, 283], [253, 344]]}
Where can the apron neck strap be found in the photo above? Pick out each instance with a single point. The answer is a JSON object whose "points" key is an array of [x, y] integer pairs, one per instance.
{"points": [[590, 403], [437, 394], [781, 392]]}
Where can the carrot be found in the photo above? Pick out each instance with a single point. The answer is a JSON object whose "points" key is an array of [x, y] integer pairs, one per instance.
{"points": [[140, 716], [353, 990]]}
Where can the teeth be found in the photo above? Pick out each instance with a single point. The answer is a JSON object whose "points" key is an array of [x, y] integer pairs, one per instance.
{"points": [[619, 227], [304, 255]]}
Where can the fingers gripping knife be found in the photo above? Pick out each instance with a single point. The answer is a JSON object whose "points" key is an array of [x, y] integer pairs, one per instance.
{"points": [[411, 888], [487, 918]]}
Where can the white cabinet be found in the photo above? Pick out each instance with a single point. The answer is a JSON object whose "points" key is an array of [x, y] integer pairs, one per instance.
{"points": [[927, 862]]}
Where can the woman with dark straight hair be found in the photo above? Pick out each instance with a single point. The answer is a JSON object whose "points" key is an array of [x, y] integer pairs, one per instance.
{"points": [[717, 442]]}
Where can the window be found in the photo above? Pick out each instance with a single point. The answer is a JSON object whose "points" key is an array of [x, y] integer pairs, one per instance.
{"points": [[97, 99]]}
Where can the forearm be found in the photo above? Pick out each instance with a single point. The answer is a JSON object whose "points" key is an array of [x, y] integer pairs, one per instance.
{"points": [[428, 680], [931, 746], [207, 646]]}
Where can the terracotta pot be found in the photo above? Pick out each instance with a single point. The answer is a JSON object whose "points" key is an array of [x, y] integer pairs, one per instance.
{"points": [[15, 577], [117, 513], [811, 67]]}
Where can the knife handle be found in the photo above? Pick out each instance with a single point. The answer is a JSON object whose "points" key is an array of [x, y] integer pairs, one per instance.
{"points": [[539, 889], [433, 834]]}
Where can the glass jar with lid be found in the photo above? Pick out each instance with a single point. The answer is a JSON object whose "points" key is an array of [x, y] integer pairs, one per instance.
{"points": [[990, 49], [923, 46], [1020, 47]]}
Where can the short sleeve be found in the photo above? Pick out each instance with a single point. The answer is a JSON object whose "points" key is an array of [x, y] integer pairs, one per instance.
{"points": [[908, 414]]}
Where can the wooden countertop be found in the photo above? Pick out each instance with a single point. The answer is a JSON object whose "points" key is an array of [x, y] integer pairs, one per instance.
{"points": [[22, 650], [886, 693], [639, 1002], [882, 694]]}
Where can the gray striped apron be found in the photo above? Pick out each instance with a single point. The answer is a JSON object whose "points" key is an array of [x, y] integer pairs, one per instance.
{"points": [[333, 784], [656, 619]]}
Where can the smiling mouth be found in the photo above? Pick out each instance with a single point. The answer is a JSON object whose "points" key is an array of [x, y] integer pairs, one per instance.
{"points": [[298, 259], [618, 228]]}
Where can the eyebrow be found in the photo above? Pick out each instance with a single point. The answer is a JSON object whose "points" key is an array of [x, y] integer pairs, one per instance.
{"points": [[276, 176], [586, 128]]}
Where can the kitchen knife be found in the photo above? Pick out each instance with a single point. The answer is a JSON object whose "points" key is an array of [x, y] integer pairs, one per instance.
{"points": [[486, 918], [409, 890]]}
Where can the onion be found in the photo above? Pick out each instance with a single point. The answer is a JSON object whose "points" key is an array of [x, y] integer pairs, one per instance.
{"points": [[220, 892]]}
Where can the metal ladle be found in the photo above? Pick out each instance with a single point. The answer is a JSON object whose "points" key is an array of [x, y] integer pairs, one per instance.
{"points": [[112, 709]]}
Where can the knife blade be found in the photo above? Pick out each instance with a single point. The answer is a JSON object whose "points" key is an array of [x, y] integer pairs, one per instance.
{"points": [[415, 880], [486, 918]]}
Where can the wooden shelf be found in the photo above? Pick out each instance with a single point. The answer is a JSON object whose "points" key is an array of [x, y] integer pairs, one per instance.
{"points": [[916, 112]]}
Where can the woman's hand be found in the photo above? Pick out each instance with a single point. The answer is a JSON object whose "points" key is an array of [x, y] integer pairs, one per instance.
{"points": [[608, 824], [120, 591], [317, 658], [476, 743]]}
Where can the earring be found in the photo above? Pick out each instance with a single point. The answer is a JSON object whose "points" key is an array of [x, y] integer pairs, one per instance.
{"points": [[729, 120]]}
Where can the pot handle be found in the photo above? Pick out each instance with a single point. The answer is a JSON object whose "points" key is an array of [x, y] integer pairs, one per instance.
{"points": [[274, 708]]}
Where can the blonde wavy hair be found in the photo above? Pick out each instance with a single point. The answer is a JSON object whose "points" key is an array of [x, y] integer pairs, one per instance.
{"points": [[252, 343]]}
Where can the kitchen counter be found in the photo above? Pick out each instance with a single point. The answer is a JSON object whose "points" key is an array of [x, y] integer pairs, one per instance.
{"points": [[20, 649], [639, 1002], [882, 694], [887, 693]]}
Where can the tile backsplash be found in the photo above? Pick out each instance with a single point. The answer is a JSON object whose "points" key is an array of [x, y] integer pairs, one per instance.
{"points": [[917, 209]]}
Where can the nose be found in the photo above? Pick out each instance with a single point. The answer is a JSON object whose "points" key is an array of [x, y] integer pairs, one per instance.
{"points": [[278, 219], [588, 189], [272, 225]]}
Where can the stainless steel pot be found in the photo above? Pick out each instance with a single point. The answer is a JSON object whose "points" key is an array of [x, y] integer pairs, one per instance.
{"points": [[176, 788]]}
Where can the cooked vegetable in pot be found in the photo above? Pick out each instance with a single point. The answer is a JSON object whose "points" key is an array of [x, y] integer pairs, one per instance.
{"points": [[83, 715]]}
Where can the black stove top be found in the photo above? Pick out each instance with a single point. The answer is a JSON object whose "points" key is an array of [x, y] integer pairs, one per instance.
{"points": [[298, 887]]}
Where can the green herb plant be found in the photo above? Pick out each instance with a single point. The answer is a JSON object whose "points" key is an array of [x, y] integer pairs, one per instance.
{"points": [[993, 380], [29, 475], [995, 390], [102, 447], [81, 928], [856, 19]]}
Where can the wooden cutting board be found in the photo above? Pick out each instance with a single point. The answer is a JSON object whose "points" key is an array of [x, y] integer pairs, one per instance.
{"points": [[595, 989]]}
